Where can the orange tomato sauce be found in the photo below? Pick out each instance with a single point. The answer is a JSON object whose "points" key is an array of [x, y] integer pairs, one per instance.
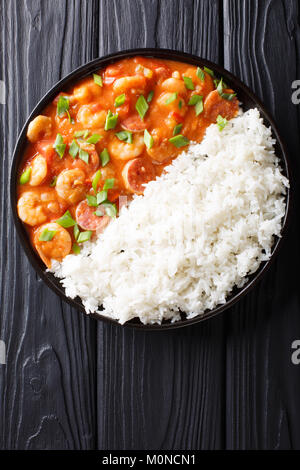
{"points": [[54, 188]]}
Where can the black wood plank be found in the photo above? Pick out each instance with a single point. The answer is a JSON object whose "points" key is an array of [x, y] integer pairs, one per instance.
{"points": [[262, 40], [47, 388], [160, 390]]}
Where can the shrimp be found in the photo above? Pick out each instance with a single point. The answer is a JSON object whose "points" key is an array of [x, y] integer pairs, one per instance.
{"points": [[39, 170], [70, 185], [123, 151], [35, 207], [202, 88], [166, 102], [86, 92], [90, 119], [174, 85], [40, 126], [135, 84], [57, 248]]}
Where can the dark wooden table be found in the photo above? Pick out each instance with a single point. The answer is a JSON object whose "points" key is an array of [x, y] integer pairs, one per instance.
{"points": [[73, 383]]}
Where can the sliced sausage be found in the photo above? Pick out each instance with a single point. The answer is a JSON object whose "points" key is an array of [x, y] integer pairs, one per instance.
{"points": [[86, 218], [136, 173], [134, 124], [214, 105]]}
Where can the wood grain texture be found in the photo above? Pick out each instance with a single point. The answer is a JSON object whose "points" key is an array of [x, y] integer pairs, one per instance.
{"points": [[262, 40], [161, 390], [47, 388]]}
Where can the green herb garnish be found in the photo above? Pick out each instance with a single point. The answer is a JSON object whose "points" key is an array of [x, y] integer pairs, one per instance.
{"points": [[225, 96], [25, 176], [91, 200], [200, 74], [221, 122], [209, 71], [110, 121], [63, 106], [141, 106], [180, 104], [96, 180], [84, 236], [197, 101], [109, 183], [53, 182], [120, 100], [76, 248], [150, 96], [94, 138], [179, 141], [171, 98], [101, 196], [66, 220], [148, 139], [81, 133], [104, 156], [125, 136], [188, 83], [74, 149], [98, 79], [110, 209], [76, 231], [59, 145], [83, 155], [177, 129], [47, 235]]}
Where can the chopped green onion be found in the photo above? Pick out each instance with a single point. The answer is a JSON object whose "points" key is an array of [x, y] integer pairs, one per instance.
{"points": [[91, 200], [188, 83], [111, 121], [225, 96], [209, 71], [99, 213], [109, 183], [76, 248], [25, 176], [221, 122], [59, 145], [148, 139], [171, 98], [76, 231], [150, 96], [177, 129], [102, 196], [200, 74], [74, 149], [94, 138], [104, 155], [84, 156], [180, 104], [86, 133], [125, 136], [84, 236], [110, 209], [96, 180], [63, 106], [53, 182], [70, 119], [199, 107], [47, 235], [66, 220], [194, 100], [141, 106], [120, 100], [80, 133], [179, 141], [98, 79]]}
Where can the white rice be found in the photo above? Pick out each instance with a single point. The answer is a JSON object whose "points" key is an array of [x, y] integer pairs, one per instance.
{"points": [[197, 232]]}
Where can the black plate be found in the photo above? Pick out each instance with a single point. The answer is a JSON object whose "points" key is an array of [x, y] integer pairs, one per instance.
{"points": [[248, 99]]}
